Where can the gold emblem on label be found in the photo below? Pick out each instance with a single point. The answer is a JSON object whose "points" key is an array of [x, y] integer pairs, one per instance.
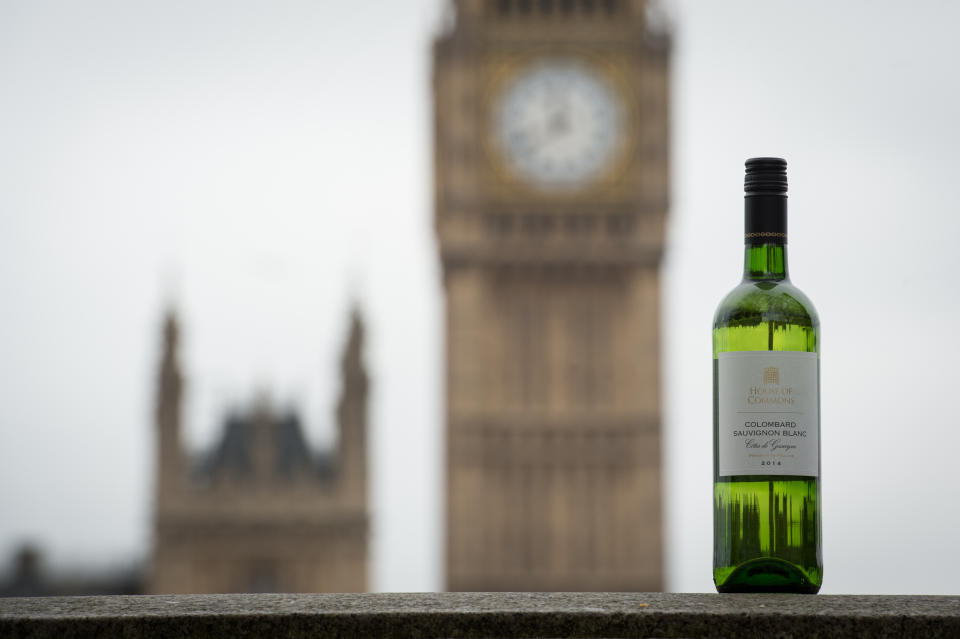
{"points": [[771, 375]]}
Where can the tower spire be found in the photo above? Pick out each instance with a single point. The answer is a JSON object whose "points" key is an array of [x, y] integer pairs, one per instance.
{"points": [[352, 413], [167, 416]]}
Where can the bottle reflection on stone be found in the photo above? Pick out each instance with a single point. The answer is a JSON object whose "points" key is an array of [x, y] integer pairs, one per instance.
{"points": [[766, 344]]}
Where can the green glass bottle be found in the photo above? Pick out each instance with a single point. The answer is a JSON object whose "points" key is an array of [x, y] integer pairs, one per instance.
{"points": [[766, 410]]}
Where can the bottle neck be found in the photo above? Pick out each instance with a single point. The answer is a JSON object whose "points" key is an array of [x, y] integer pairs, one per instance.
{"points": [[765, 237], [766, 261]]}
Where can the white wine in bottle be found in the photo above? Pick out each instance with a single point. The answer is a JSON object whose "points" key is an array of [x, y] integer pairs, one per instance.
{"points": [[766, 410]]}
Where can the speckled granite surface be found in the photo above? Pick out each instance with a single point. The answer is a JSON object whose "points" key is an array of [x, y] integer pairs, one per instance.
{"points": [[490, 615]]}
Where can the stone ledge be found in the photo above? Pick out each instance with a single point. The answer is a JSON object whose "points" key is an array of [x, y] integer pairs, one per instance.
{"points": [[488, 615]]}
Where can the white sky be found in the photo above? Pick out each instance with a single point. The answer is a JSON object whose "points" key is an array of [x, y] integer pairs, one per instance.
{"points": [[264, 164]]}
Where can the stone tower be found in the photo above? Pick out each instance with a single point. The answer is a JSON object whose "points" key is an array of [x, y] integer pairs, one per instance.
{"points": [[551, 176], [261, 511]]}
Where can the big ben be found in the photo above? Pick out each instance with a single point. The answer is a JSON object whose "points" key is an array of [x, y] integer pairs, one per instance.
{"points": [[551, 174]]}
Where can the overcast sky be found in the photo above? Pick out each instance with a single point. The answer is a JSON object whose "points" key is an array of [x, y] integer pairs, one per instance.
{"points": [[264, 165]]}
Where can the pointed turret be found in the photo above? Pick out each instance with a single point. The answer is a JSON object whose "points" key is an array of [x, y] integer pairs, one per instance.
{"points": [[352, 415], [167, 415]]}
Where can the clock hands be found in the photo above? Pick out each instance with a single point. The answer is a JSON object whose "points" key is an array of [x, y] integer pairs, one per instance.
{"points": [[558, 122]]}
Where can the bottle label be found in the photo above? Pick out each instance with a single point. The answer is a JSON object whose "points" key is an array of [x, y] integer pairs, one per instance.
{"points": [[768, 413]]}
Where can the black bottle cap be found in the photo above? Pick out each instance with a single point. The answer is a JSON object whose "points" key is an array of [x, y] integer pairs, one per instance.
{"points": [[765, 200], [765, 176]]}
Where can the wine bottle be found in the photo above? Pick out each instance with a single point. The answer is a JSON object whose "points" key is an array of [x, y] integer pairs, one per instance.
{"points": [[766, 410]]}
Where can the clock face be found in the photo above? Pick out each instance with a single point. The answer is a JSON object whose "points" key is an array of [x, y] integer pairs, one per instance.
{"points": [[558, 124]]}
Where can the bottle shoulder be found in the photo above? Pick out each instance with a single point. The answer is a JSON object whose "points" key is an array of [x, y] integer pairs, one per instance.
{"points": [[766, 301]]}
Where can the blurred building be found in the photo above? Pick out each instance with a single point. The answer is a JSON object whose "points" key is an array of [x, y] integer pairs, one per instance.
{"points": [[261, 511], [551, 175], [28, 577]]}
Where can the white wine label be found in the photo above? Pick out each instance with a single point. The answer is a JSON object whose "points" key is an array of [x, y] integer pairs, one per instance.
{"points": [[768, 413]]}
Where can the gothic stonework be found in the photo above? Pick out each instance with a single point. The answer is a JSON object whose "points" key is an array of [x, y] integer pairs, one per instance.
{"points": [[261, 511], [551, 188]]}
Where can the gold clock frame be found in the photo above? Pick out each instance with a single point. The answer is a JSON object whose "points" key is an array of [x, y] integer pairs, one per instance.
{"points": [[499, 70]]}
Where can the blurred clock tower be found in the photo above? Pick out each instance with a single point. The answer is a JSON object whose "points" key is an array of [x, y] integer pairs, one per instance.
{"points": [[551, 176]]}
